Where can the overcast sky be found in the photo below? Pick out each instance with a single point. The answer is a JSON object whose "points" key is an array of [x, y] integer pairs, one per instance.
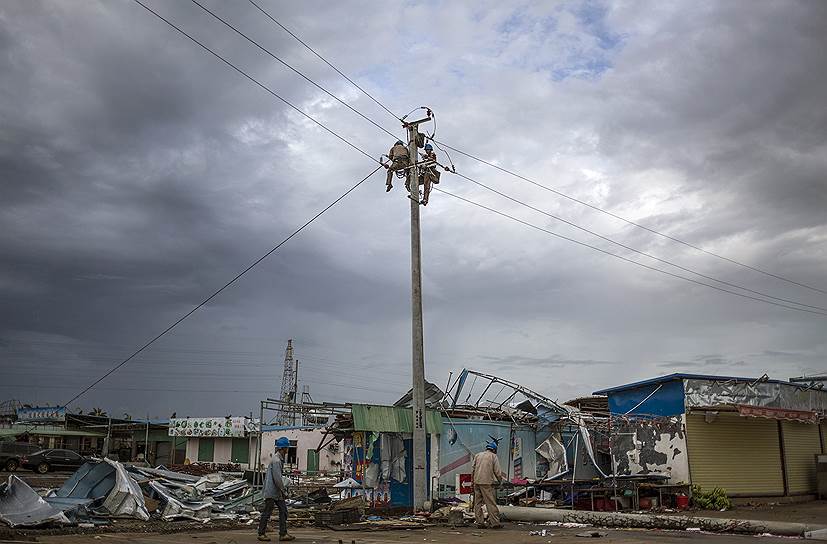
{"points": [[138, 174]]}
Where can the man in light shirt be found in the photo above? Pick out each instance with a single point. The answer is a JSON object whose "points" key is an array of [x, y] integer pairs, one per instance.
{"points": [[487, 473]]}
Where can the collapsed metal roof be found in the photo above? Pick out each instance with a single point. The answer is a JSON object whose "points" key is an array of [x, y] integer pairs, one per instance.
{"points": [[21, 506]]}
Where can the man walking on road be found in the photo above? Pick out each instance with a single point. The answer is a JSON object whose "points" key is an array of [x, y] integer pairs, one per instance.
{"points": [[275, 493], [487, 472]]}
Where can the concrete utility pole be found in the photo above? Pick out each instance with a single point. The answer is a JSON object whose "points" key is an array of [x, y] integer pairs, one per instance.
{"points": [[420, 475]]}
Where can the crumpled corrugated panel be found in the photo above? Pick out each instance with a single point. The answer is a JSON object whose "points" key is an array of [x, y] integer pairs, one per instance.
{"points": [[178, 509], [126, 497], [103, 483], [21, 506]]}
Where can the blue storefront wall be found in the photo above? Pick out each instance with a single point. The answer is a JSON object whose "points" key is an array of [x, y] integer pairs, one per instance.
{"points": [[461, 440], [402, 492], [391, 493], [664, 399]]}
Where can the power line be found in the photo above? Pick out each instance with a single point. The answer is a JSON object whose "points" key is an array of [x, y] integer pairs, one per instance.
{"points": [[140, 365], [584, 244], [624, 246], [633, 223], [344, 379], [206, 48], [266, 14], [222, 288], [175, 390], [254, 80], [555, 191], [286, 64], [104, 353]]}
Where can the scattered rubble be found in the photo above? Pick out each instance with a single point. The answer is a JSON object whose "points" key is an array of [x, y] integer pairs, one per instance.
{"points": [[103, 490]]}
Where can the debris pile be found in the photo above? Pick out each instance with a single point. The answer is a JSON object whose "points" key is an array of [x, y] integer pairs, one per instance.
{"points": [[102, 490], [217, 495], [202, 469]]}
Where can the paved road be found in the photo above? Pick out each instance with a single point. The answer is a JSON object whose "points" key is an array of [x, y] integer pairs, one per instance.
{"points": [[50, 479], [512, 534]]}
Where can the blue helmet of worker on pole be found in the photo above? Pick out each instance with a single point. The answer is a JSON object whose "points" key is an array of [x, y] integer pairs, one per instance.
{"points": [[429, 147], [491, 446], [283, 442]]}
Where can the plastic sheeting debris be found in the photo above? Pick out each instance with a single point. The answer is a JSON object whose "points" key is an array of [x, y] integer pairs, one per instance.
{"points": [[350, 483], [21, 506]]}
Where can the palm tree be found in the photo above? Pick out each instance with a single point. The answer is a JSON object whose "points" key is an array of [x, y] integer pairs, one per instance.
{"points": [[98, 412]]}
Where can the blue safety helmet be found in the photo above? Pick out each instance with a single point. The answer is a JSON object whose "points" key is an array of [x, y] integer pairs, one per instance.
{"points": [[491, 446], [283, 442], [429, 147]]}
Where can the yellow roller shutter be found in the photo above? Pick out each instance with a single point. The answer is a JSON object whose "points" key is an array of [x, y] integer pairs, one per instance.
{"points": [[739, 454], [801, 443]]}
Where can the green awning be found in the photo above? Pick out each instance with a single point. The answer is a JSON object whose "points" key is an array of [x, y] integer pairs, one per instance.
{"points": [[392, 419]]}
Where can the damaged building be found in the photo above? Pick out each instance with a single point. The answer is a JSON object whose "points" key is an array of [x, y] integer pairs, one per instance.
{"points": [[752, 436]]}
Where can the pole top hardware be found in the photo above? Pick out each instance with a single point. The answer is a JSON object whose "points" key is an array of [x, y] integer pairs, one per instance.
{"points": [[407, 124]]}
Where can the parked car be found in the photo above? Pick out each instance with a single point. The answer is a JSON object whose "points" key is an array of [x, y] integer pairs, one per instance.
{"points": [[11, 452], [45, 460]]}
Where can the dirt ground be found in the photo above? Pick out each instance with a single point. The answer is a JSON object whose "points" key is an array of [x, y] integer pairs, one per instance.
{"points": [[805, 512], [139, 532], [512, 534]]}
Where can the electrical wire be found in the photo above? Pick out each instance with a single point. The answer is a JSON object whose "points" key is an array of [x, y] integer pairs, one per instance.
{"points": [[344, 140], [177, 389], [630, 222], [222, 288], [584, 244], [254, 80], [286, 64], [555, 191], [639, 252], [266, 14]]}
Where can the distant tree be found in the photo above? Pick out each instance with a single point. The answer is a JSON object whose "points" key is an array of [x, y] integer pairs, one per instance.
{"points": [[98, 412]]}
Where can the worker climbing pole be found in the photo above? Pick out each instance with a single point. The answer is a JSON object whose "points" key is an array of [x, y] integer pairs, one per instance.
{"points": [[403, 161]]}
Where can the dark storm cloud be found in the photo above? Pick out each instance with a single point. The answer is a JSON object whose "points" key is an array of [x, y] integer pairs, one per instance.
{"points": [[138, 174]]}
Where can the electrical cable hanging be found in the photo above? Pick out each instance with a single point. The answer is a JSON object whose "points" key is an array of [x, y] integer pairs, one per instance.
{"points": [[639, 252], [220, 289], [440, 190], [622, 258], [257, 82], [249, 77], [634, 223], [557, 192], [266, 14], [286, 64]]}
